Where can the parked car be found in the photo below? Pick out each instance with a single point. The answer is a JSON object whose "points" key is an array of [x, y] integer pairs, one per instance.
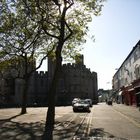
{"points": [[81, 105], [89, 101], [75, 100], [109, 102]]}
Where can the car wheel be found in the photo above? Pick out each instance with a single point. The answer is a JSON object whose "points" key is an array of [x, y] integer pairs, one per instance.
{"points": [[89, 111]]}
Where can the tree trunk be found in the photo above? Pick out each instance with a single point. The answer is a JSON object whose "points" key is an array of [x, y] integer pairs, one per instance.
{"points": [[24, 97], [50, 118]]}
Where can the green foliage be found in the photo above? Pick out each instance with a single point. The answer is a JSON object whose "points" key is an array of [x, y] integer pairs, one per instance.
{"points": [[36, 26]]}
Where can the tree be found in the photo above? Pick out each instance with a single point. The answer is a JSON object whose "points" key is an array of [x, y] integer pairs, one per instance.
{"points": [[64, 24], [20, 44]]}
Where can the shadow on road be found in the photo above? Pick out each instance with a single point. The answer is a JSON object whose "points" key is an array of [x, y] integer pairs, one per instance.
{"points": [[12, 130], [72, 133], [13, 117], [16, 130], [100, 133]]}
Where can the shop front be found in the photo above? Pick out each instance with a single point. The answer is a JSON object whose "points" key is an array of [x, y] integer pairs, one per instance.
{"points": [[129, 96], [136, 85]]}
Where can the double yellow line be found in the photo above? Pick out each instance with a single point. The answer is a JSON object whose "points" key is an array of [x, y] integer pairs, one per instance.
{"points": [[89, 121]]}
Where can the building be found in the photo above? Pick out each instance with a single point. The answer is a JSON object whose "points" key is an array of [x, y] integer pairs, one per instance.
{"points": [[105, 95], [75, 81], [126, 81]]}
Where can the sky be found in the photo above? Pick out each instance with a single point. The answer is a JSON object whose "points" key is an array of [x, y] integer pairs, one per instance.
{"points": [[116, 31]]}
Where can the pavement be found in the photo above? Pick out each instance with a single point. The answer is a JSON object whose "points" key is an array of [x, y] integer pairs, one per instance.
{"points": [[30, 126], [132, 112]]}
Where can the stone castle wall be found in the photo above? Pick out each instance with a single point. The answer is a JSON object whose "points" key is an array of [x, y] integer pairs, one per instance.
{"points": [[76, 81]]}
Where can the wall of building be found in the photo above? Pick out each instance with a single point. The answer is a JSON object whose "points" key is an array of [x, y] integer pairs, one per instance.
{"points": [[127, 74], [75, 81], [7, 87], [38, 88]]}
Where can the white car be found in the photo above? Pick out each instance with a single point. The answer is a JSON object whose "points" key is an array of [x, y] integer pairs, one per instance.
{"points": [[75, 100], [81, 105]]}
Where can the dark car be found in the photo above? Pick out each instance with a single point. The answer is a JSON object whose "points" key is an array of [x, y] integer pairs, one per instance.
{"points": [[89, 101], [81, 105], [109, 102]]}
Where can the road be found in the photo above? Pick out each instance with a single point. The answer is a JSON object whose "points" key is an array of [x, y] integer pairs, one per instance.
{"points": [[117, 122], [104, 122]]}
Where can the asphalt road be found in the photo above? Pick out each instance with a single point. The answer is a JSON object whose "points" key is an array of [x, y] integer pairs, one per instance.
{"points": [[117, 122]]}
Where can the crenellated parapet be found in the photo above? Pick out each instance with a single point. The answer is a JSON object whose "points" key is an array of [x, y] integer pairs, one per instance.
{"points": [[40, 74], [75, 66]]}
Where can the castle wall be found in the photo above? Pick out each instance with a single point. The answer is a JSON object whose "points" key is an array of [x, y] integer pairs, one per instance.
{"points": [[78, 82], [37, 89], [75, 81]]}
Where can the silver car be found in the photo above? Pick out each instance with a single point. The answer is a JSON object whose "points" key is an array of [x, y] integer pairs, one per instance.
{"points": [[81, 105], [75, 100]]}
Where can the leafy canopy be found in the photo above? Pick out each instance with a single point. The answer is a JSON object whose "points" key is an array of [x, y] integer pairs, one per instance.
{"points": [[36, 25]]}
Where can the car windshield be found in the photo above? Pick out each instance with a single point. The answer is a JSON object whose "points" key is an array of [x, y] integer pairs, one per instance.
{"points": [[83, 102]]}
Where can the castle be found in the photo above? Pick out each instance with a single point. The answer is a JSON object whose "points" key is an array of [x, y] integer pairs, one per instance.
{"points": [[75, 81]]}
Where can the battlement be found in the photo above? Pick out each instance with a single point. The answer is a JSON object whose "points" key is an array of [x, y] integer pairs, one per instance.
{"points": [[74, 66], [41, 73]]}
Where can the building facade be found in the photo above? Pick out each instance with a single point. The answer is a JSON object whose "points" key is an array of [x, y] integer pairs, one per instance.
{"points": [[126, 81], [76, 81], [105, 95]]}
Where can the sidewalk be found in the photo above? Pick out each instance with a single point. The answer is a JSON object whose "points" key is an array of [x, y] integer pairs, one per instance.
{"points": [[130, 111], [29, 126]]}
